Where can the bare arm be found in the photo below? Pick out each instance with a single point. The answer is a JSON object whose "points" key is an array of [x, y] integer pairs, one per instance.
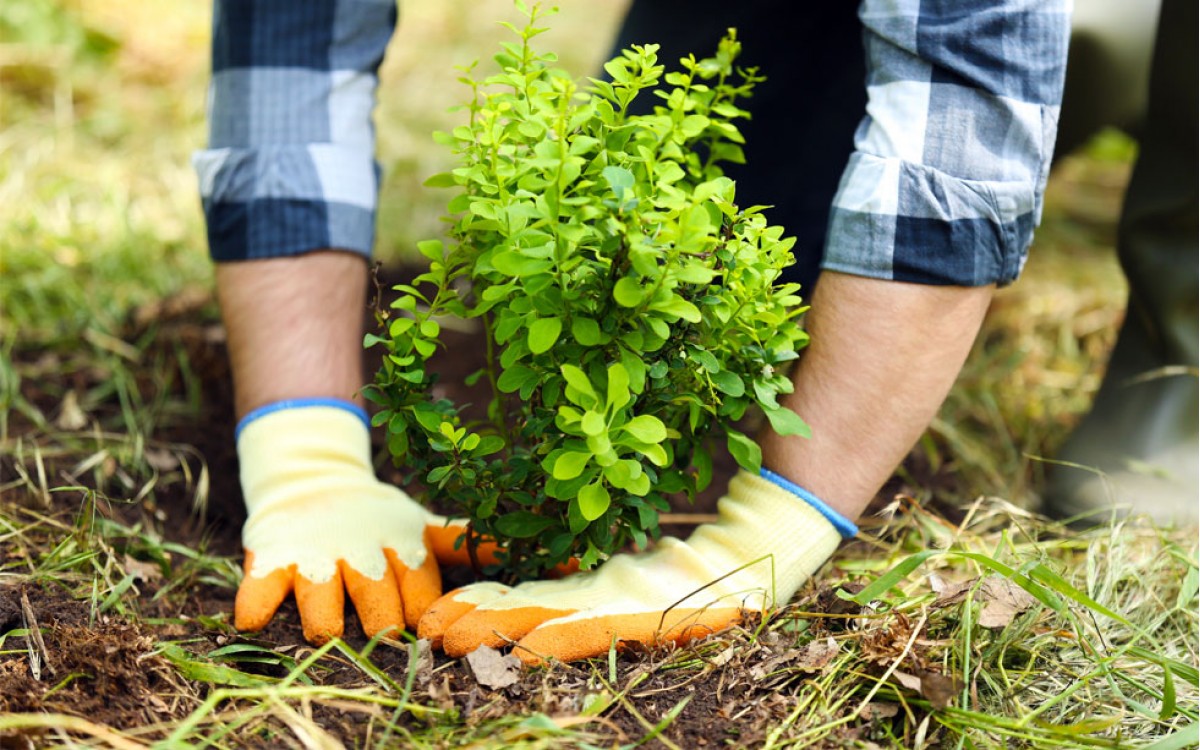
{"points": [[883, 357]]}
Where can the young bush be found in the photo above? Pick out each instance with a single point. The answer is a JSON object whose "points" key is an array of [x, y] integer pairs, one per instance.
{"points": [[630, 304]]}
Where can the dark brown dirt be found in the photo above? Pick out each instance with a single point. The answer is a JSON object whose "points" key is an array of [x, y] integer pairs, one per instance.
{"points": [[105, 668]]}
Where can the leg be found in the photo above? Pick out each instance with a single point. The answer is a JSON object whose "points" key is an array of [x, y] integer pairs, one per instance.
{"points": [[804, 114], [1142, 430]]}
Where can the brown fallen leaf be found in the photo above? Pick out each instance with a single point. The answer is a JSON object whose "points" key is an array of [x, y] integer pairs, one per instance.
{"points": [[70, 415], [939, 689], [878, 710], [141, 571], [951, 592], [811, 658], [493, 669], [1003, 600], [161, 459], [815, 655]]}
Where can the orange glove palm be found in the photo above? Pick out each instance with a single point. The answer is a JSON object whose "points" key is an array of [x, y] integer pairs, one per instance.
{"points": [[320, 524], [766, 543]]}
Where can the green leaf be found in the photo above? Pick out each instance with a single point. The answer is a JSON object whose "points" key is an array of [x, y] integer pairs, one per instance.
{"points": [[647, 428], [586, 331], [618, 386], [429, 328], [593, 423], [513, 263], [424, 347], [575, 520], [787, 422], [578, 380], [619, 179], [621, 473], [432, 249], [693, 125], [744, 450], [440, 180], [488, 445], [705, 359], [677, 307], [543, 332], [655, 453], [515, 378], [594, 500], [521, 524], [628, 292], [570, 465], [728, 383]]}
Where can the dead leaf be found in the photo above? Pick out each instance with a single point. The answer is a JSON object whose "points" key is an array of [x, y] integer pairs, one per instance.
{"points": [[876, 710], [811, 658], [141, 571], [951, 593], [815, 655], [910, 681], [161, 459], [1004, 600], [420, 655], [493, 669], [70, 415], [938, 689]]}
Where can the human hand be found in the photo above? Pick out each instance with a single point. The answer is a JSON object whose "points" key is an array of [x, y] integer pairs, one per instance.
{"points": [[321, 525], [766, 543]]}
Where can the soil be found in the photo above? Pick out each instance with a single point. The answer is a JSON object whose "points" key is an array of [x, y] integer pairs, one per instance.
{"points": [[110, 670]]}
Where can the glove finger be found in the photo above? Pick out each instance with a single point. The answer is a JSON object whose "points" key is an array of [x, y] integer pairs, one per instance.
{"points": [[585, 637], [376, 601], [419, 587], [496, 627], [447, 610], [442, 540], [258, 597], [443, 536], [321, 608]]}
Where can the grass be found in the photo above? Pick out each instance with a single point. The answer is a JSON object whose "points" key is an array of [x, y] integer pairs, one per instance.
{"points": [[100, 108]]}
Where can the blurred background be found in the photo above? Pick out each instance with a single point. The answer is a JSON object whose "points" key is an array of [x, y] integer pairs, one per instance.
{"points": [[102, 105]]}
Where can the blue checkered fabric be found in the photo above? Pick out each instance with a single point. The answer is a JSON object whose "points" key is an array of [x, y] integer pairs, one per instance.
{"points": [[290, 163], [950, 163], [944, 185]]}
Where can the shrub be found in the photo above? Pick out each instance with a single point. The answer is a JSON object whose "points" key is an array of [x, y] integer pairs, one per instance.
{"points": [[630, 305]]}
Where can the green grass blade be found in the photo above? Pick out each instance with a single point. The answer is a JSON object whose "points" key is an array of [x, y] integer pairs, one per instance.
{"points": [[1189, 736]]}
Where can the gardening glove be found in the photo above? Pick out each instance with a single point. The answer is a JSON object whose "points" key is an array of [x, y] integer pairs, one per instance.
{"points": [[320, 524], [769, 537]]}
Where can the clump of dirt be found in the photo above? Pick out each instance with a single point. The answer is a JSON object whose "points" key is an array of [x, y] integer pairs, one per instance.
{"points": [[106, 671]]}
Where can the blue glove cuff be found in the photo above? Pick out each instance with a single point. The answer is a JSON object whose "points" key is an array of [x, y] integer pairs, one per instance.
{"points": [[844, 526], [301, 403]]}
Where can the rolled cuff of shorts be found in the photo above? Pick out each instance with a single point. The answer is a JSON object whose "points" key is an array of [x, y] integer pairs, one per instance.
{"points": [[903, 221], [285, 201]]}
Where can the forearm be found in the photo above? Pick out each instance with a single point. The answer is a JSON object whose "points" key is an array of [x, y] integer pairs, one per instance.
{"points": [[294, 327], [882, 359]]}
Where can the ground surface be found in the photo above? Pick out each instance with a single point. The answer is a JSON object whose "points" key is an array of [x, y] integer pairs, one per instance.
{"points": [[107, 668], [141, 657]]}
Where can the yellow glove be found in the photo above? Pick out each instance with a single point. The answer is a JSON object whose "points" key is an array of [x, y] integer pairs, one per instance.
{"points": [[320, 524], [765, 544]]}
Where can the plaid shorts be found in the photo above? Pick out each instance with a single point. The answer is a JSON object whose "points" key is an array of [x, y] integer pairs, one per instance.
{"points": [[944, 184]]}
